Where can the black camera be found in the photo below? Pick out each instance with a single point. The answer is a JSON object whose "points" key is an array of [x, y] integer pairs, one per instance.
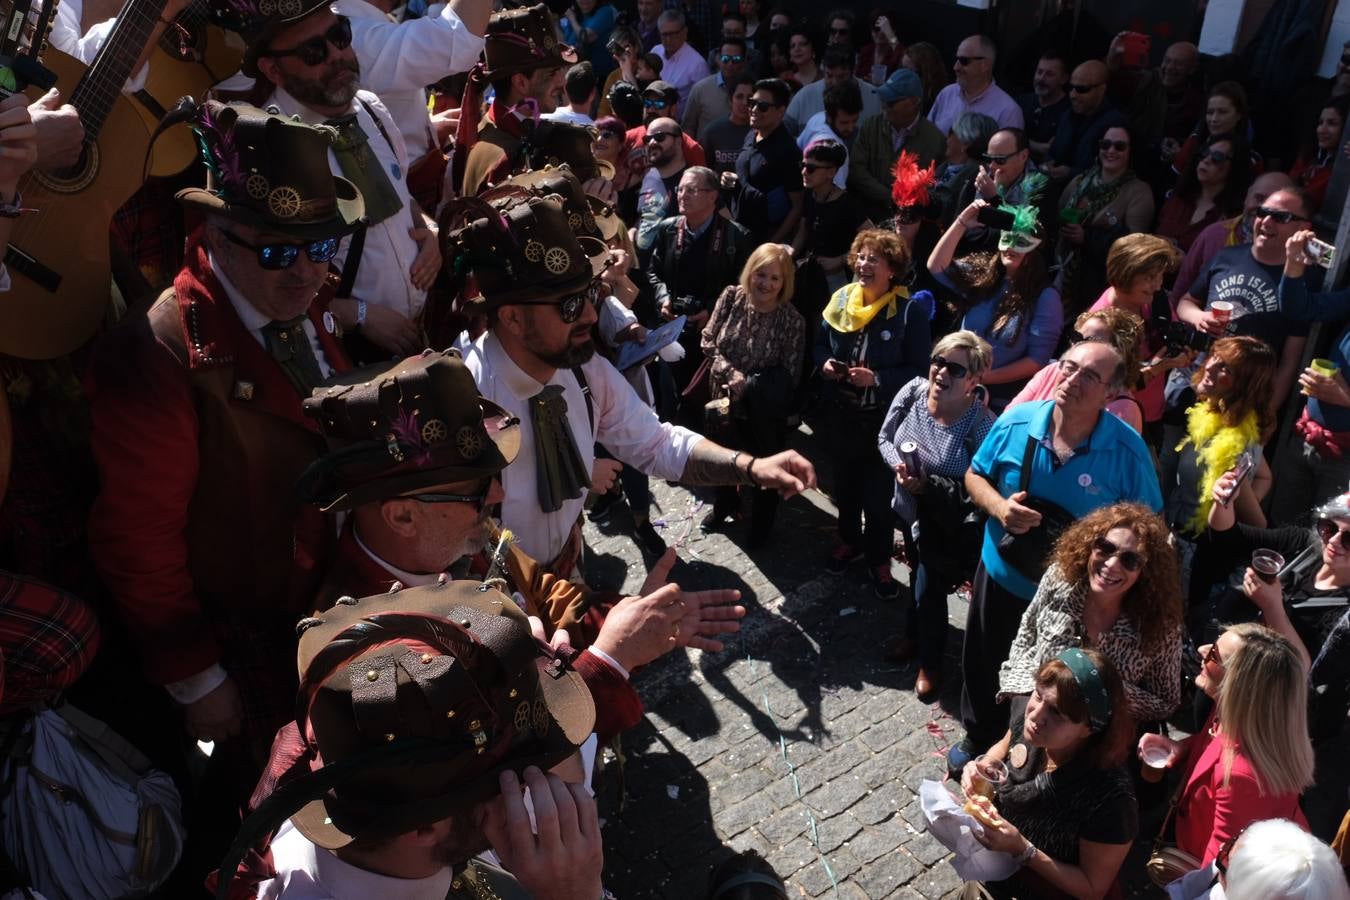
{"points": [[1180, 337], [684, 305]]}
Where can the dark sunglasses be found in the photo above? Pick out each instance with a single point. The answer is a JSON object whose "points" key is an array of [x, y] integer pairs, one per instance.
{"points": [[1131, 561], [1083, 88], [999, 160], [479, 499], [655, 137], [967, 60], [275, 257], [954, 369], [813, 168], [655, 103], [570, 307], [1118, 146], [762, 105], [1283, 216], [732, 58], [610, 134], [315, 50], [1328, 529], [1218, 157], [1212, 656]]}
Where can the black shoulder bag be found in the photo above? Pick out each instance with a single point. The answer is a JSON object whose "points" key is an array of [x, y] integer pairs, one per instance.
{"points": [[1029, 552]]}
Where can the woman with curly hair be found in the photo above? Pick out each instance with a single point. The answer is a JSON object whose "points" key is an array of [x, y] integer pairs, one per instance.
{"points": [[1122, 330], [874, 339], [1004, 297], [1112, 585]]}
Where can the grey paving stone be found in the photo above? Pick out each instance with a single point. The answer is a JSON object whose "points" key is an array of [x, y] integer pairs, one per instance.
{"points": [[833, 797], [884, 876]]}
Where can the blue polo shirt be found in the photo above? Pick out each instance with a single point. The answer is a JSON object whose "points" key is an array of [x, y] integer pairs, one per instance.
{"points": [[1113, 465]]}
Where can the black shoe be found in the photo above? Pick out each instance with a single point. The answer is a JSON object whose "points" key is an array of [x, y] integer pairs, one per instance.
{"points": [[603, 506], [648, 539], [884, 584]]}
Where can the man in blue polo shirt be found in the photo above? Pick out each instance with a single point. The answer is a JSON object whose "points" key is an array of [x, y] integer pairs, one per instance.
{"points": [[1082, 458]]}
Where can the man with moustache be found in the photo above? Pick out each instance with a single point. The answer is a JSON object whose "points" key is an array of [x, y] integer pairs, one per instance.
{"points": [[387, 267], [199, 437], [1047, 102], [666, 163], [539, 283]]}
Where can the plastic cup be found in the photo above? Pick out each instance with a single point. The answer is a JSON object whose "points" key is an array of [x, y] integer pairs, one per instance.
{"points": [[1324, 367], [1267, 564], [989, 774], [1070, 215], [1223, 311], [1155, 763]]}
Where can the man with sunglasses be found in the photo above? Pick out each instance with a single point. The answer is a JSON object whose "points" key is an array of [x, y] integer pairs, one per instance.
{"points": [[710, 98], [974, 89], [1248, 277], [1003, 179], [1089, 116], [537, 361], [766, 187], [733, 29], [656, 195], [198, 433], [1070, 452]]}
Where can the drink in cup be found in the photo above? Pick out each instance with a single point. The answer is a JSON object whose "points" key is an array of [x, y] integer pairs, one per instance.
{"points": [[1324, 367], [989, 774], [909, 455], [1267, 564], [1223, 311], [1155, 759]]}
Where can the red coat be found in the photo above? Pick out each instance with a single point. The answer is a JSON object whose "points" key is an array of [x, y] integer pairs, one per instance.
{"points": [[1209, 812], [198, 532]]}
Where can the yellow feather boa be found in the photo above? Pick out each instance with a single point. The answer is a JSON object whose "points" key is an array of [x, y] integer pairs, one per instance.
{"points": [[1217, 447]]}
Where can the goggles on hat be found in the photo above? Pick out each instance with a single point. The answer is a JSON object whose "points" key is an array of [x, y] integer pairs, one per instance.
{"points": [[1017, 242]]}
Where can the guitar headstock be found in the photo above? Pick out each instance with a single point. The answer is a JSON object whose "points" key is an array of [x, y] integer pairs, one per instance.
{"points": [[27, 25]]}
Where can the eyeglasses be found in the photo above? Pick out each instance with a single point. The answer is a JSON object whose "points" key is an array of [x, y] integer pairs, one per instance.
{"points": [[275, 257], [479, 499], [967, 60], [1129, 560], [571, 306], [1218, 157], [1118, 146], [813, 168], [956, 370], [655, 103], [762, 105], [655, 137], [314, 51], [1327, 529], [1068, 369], [731, 58], [1211, 656], [1283, 216], [999, 160], [1083, 88]]}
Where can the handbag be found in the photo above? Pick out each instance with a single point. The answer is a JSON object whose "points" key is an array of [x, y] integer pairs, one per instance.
{"points": [[83, 814], [1167, 862], [1029, 552]]}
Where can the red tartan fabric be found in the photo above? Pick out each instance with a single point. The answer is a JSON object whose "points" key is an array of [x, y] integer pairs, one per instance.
{"points": [[149, 230], [48, 638]]}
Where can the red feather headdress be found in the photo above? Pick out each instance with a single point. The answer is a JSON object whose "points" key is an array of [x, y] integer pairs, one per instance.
{"points": [[911, 183]]}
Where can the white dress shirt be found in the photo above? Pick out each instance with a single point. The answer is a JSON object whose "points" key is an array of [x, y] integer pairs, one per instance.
{"points": [[682, 69], [811, 100], [624, 424], [384, 277], [68, 36], [816, 128], [399, 59], [567, 114]]}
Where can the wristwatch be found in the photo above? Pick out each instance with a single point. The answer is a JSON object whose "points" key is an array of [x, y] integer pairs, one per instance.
{"points": [[13, 208], [1025, 856]]}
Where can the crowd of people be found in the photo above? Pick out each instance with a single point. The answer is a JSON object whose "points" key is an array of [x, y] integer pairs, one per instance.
{"points": [[300, 511]]}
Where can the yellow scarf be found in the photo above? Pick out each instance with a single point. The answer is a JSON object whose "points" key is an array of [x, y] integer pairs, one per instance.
{"points": [[848, 312], [1217, 446]]}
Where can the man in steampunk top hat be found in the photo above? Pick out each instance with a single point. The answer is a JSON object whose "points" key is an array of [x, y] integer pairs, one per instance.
{"points": [[415, 461], [199, 435], [421, 715], [537, 265], [303, 51]]}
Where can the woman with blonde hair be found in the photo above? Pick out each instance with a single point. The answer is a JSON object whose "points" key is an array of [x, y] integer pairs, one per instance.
{"points": [[754, 340], [945, 417], [1111, 584], [872, 341], [1253, 758], [1121, 330]]}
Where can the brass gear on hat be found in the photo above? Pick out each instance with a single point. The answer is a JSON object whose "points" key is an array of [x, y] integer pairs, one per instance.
{"points": [[534, 251], [540, 717], [574, 221], [257, 186], [284, 202], [469, 442], [557, 260], [434, 431], [522, 717], [289, 8], [267, 7]]}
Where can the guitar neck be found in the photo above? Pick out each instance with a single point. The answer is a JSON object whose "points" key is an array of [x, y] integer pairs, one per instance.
{"points": [[102, 83]]}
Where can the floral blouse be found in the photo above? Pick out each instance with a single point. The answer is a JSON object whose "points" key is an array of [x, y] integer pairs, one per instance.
{"points": [[741, 340], [1054, 622]]}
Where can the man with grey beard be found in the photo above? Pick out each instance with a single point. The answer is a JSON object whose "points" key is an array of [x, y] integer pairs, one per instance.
{"points": [[308, 59]]}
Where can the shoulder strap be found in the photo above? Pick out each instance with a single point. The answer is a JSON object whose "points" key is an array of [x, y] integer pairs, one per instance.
{"points": [[378, 124], [352, 263], [1027, 455], [586, 393]]}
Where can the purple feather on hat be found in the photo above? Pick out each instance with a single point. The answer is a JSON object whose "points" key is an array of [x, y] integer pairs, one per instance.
{"points": [[405, 428]]}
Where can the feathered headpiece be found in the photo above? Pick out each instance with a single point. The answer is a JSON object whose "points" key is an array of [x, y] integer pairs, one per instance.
{"points": [[911, 184], [1022, 234]]}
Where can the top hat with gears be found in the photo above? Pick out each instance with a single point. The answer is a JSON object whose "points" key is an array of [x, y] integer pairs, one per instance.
{"points": [[523, 40], [271, 172]]}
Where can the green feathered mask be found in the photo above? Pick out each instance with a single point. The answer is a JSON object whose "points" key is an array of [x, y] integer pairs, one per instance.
{"points": [[1022, 236]]}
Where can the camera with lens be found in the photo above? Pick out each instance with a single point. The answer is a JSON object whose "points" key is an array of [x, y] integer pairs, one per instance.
{"points": [[1180, 337], [684, 305]]}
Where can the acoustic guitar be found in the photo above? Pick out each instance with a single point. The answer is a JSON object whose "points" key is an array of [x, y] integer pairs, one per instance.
{"points": [[58, 257], [192, 56]]}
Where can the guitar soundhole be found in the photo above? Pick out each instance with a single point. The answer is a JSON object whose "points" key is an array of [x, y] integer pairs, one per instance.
{"points": [[74, 179]]}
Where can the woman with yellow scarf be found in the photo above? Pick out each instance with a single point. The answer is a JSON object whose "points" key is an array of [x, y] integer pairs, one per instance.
{"points": [[873, 340]]}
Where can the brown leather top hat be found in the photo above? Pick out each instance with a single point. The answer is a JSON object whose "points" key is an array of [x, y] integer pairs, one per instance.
{"points": [[522, 40], [271, 172], [417, 424], [527, 251], [417, 701], [586, 213], [258, 20], [555, 142]]}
